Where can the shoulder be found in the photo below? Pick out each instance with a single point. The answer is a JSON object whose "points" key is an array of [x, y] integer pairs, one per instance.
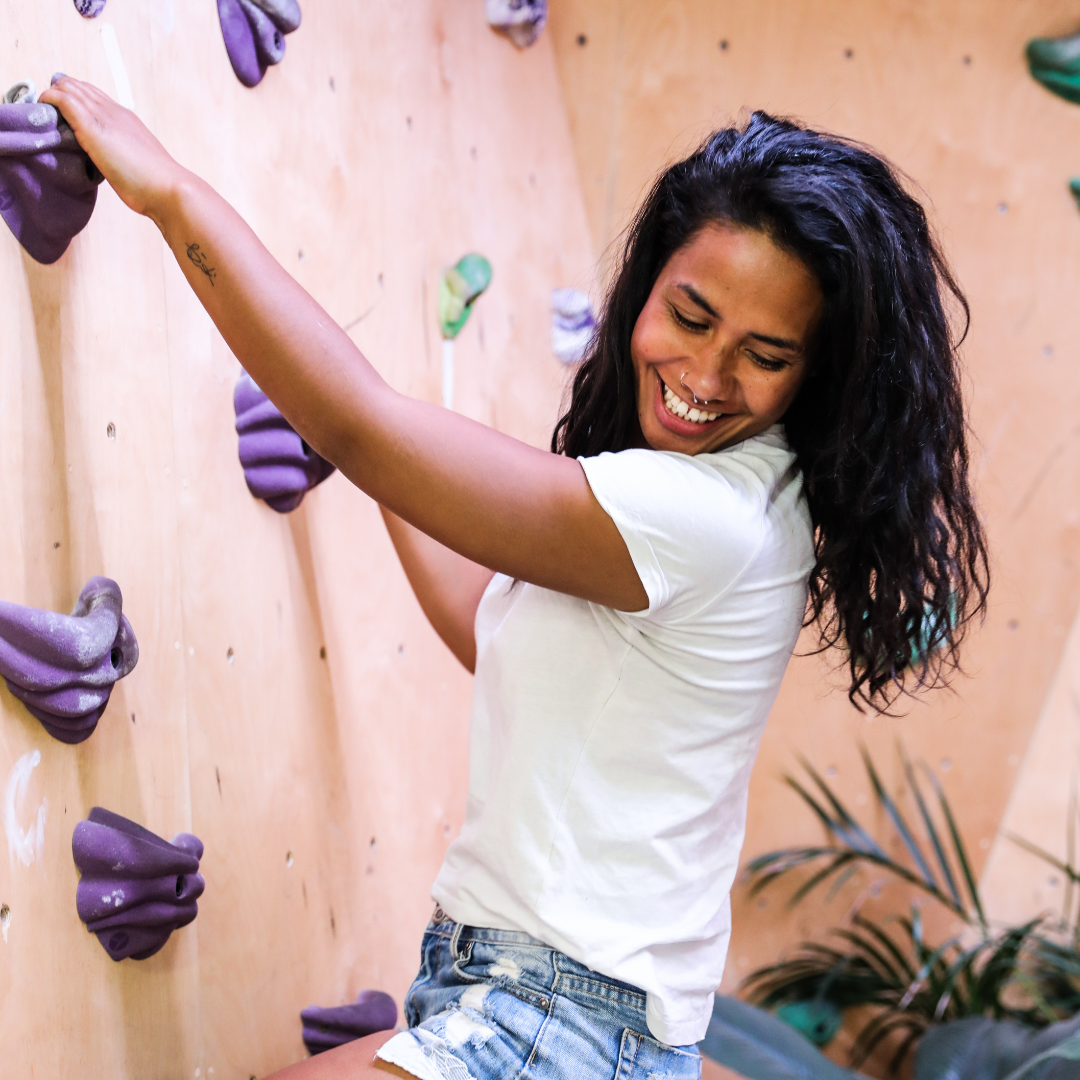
{"points": [[696, 523], [743, 479]]}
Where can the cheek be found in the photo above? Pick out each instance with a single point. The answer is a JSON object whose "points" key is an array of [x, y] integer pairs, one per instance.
{"points": [[649, 343], [772, 397]]}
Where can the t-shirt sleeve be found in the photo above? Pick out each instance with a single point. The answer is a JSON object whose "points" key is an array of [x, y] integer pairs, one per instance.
{"points": [[690, 529]]}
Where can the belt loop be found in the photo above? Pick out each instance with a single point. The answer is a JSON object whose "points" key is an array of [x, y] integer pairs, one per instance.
{"points": [[454, 941]]}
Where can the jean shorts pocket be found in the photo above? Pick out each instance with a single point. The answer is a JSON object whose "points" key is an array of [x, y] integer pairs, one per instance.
{"points": [[644, 1058]]}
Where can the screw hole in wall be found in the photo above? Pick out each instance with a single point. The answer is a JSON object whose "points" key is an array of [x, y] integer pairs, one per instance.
{"points": [[110, 430]]}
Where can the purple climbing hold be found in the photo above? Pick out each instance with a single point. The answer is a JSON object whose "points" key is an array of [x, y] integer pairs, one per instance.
{"points": [[136, 888], [573, 324], [254, 33], [326, 1028], [48, 186], [90, 9], [520, 20], [279, 466], [62, 667]]}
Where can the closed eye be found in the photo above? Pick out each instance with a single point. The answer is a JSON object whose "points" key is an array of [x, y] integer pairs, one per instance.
{"points": [[688, 324], [766, 364]]}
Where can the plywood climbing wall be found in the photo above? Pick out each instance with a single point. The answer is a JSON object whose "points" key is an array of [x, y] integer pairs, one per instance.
{"points": [[943, 90], [290, 706]]}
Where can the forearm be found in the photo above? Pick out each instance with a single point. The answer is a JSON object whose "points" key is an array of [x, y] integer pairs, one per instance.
{"points": [[496, 501], [304, 362], [447, 585], [473, 489]]}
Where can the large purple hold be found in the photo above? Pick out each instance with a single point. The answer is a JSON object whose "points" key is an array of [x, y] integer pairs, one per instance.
{"points": [[48, 186], [520, 20], [136, 888], [62, 667], [89, 9], [254, 33], [326, 1028], [279, 466]]}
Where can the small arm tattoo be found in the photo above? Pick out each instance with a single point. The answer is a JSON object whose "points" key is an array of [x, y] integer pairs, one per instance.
{"points": [[199, 260]]}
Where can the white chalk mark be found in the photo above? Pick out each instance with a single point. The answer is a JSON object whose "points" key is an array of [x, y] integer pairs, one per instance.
{"points": [[28, 844], [448, 373], [116, 66], [165, 15]]}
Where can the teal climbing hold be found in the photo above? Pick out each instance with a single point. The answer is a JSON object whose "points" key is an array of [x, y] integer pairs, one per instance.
{"points": [[1074, 187], [1055, 62], [817, 1019], [459, 288]]}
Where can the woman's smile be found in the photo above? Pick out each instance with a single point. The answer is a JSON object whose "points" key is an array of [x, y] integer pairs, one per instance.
{"points": [[681, 417], [720, 347]]}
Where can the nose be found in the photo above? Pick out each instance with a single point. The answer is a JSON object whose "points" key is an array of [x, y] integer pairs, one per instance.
{"points": [[711, 379]]}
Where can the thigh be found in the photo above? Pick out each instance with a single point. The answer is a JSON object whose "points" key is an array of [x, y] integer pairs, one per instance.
{"points": [[353, 1061]]}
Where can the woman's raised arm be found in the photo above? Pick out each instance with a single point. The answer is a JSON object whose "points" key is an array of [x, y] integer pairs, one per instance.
{"points": [[497, 501]]}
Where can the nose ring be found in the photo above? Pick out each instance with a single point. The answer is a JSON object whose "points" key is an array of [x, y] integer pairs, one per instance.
{"points": [[697, 401]]}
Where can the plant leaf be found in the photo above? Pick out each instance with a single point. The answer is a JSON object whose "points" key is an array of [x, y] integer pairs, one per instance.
{"points": [[757, 1045], [853, 833], [1043, 854], [931, 829], [897, 818], [958, 844], [1068, 1050]]}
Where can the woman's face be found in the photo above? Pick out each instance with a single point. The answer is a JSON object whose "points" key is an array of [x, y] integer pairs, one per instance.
{"points": [[729, 321]]}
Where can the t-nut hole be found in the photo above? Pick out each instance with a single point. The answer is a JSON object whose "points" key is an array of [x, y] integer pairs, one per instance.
{"points": [[110, 431], [119, 940], [279, 41], [179, 884]]}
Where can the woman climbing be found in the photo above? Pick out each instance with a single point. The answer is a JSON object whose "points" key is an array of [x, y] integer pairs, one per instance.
{"points": [[767, 430]]}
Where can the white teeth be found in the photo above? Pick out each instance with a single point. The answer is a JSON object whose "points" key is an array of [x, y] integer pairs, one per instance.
{"points": [[676, 405]]}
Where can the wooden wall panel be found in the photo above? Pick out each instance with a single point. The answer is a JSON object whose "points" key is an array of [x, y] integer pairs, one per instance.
{"points": [[291, 706], [942, 89]]}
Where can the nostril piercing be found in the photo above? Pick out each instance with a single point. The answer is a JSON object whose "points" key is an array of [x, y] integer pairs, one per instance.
{"points": [[697, 401]]}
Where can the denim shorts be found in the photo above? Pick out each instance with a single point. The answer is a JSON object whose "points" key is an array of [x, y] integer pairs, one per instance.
{"points": [[500, 1005]]}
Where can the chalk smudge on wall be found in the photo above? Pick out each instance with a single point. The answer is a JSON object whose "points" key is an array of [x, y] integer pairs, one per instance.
{"points": [[29, 844]]}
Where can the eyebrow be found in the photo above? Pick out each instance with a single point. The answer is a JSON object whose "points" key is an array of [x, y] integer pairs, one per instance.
{"points": [[766, 339]]}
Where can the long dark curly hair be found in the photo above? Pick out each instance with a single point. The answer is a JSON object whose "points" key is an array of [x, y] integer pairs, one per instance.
{"points": [[878, 424]]}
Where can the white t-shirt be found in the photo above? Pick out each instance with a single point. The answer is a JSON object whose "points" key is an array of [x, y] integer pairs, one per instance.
{"points": [[610, 752]]}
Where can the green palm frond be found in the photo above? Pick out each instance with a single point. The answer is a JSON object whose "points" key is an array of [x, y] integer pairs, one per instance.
{"points": [[929, 866], [909, 982], [1028, 973]]}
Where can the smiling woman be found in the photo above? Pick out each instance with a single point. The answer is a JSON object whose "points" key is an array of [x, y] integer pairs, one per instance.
{"points": [[779, 273], [706, 382], [771, 402]]}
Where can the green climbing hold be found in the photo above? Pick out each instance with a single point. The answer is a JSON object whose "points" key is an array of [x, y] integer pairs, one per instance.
{"points": [[458, 289], [818, 1020], [1074, 187], [1055, 62]]}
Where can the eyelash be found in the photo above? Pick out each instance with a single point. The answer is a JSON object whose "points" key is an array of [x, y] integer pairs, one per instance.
{"points": [[694, 327], [768, 365], [686, 323]]}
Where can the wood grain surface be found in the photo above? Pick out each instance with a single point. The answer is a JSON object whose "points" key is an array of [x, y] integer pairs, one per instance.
{"points": [[290, 707]]}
